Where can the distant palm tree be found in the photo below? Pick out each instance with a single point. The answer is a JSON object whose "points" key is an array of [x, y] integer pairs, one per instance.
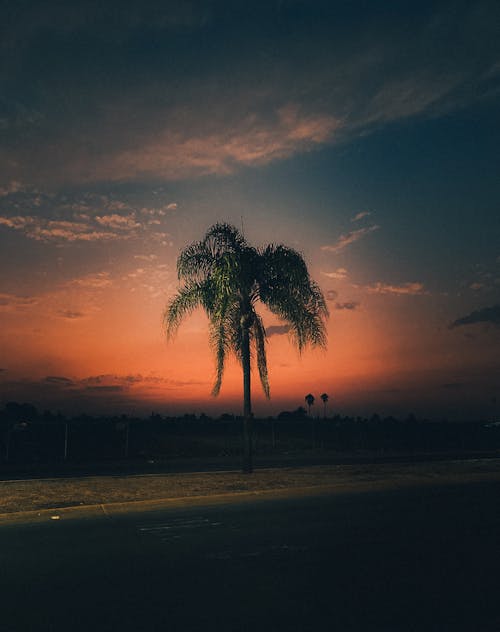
{"points": [[227, 277], [309, 399], [324, 398]]}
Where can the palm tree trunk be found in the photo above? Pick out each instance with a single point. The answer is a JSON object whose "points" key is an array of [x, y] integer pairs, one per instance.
{"points": [[247, 404]]}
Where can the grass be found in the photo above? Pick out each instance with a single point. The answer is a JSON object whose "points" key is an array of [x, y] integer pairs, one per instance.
{"points": [[40, 494]]}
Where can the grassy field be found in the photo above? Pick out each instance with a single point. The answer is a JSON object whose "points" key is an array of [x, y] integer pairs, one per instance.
{"points": [[32, 495]]}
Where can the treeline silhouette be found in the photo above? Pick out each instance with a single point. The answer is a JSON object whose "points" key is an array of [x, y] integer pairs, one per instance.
{"points": [[28, 436]]}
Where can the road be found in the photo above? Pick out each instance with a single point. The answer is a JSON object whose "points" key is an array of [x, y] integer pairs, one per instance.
{"points": [[404, 560]]}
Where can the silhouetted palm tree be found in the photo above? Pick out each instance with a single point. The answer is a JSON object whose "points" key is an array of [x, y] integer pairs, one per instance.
{"points": [[227, 277], [309, 399], [324, 398]]}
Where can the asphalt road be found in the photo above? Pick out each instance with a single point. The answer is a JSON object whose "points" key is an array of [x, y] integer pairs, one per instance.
{"points": [[415, 559]]}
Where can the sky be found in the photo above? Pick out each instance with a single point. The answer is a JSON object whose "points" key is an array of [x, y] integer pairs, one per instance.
{"points": [[365, 135]]}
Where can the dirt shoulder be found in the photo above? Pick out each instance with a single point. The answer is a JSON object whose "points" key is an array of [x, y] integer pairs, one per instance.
{"points": [[48, 494]]}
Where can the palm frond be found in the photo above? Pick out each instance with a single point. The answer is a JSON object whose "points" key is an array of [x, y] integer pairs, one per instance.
{"points": [[219, 343], [287, 289], [194, 262], [259, 336], [223, 238], [188, 298]]}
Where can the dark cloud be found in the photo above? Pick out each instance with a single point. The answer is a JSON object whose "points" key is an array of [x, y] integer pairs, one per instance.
{"points": [[58, 380], [486, 315], [99, 393], [350, 305], [129, 90], [277, 330], [109, 388], [110, 379], [453, 385]]}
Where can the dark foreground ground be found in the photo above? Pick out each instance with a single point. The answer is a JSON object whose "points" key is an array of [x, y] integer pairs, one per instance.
{"points": [[420, 558]]}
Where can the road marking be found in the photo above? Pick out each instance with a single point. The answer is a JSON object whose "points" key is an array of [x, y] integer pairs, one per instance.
{"points": [[174, 529]]}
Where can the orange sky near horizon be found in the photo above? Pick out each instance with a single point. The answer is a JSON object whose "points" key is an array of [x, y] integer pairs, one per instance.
{"points": [[99, 339]]}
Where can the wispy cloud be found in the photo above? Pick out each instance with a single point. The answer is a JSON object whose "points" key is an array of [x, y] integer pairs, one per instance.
{"points": [[116, 382], [58, 380], [331, 295], [71, 300], [177, 153], [120, 222], [14, 303], [96, 280], [339, 273], [187, 119], [360, 215], [486, 315], [150, 257], [70, 314], [349, 238], [46, 230], [350, 305], [404, 289], [14, 186], [60, 218]]}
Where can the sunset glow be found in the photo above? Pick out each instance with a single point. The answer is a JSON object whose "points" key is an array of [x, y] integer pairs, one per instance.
{"points": [[375, 155]]}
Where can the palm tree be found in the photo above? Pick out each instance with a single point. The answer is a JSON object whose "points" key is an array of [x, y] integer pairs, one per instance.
{"points": [[324, 399], [227, 277], [309, 399]]}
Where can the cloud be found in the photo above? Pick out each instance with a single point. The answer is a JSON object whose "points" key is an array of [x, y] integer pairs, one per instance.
{"points": [[409, 289], [14, 303], [349, 238], [78, 218], [72, 300], [114, 388], [121, 222], [69, 314], [113, 382], [339, 273], [14, 186], [97, 280], [242, 96], [150, 257], [360, 215], [93, 392], [47, 230], [453, 385], [331, 295], [277, 330], [350, 305], [486, 315], [16, 222], [58, 380], [178, 153]]}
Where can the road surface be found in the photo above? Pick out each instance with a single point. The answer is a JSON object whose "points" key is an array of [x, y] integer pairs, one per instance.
{"points": [[406, 560]]}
